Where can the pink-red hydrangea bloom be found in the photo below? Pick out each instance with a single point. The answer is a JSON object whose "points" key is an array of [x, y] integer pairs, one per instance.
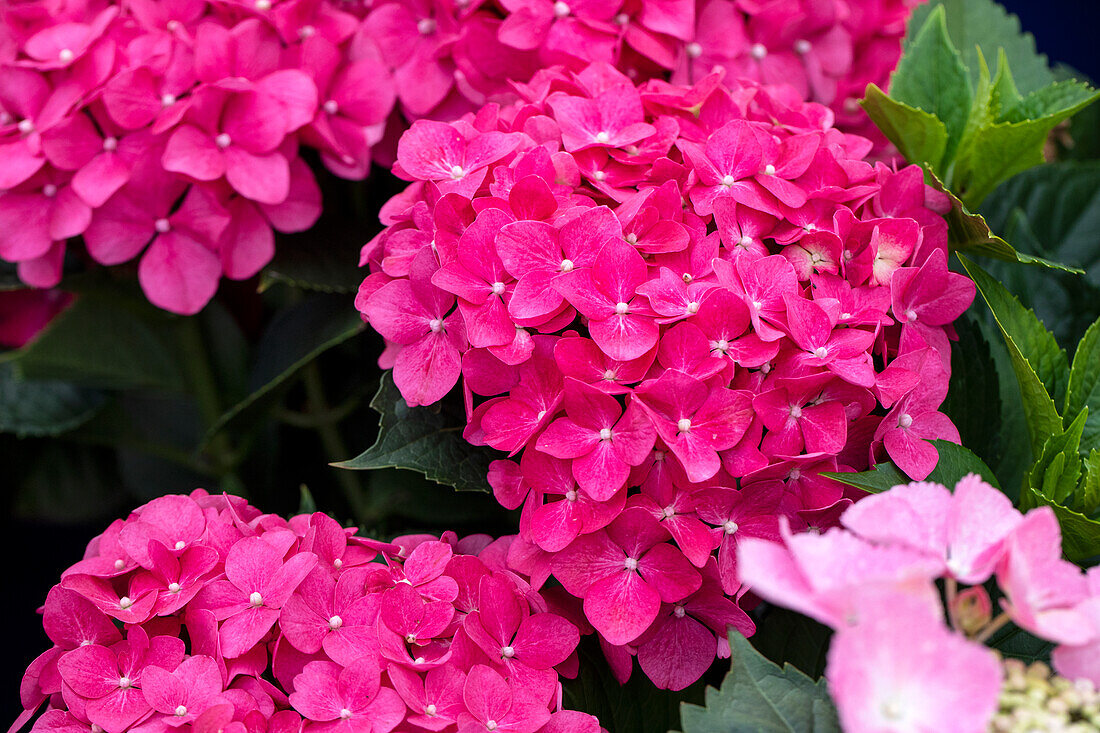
{"points": [[110, 115], [201, 611], [673, 307], [894, 664]]}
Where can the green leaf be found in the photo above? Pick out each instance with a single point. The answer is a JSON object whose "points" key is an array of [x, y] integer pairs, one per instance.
{"points": [[44, 408], [954, 463], [967, 232], [295, 337], [1012, 641], [103, 340], [636, 707], [918, 135], [986, 25], [974, 391], [1056, 473], [1084, 385], [999, 151], [758, 696], [1080, 534], [1088, 494], [787, 637], [931, 76], [1043, 419], [315, 261], [423, 439], [306, 503]]}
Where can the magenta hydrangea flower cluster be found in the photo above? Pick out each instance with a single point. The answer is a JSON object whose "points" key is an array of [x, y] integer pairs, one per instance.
{"points": [[673, 307], [169, 132], [894, 664], [200, 613]]}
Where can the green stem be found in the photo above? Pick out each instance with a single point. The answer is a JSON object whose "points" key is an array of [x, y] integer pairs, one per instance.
{"points": [[335, 447], [952, 588], [204, 385]]}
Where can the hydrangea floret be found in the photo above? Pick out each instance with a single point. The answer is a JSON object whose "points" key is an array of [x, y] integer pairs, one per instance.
{"points": [[673, 308], [898, 661], [201, 611]]}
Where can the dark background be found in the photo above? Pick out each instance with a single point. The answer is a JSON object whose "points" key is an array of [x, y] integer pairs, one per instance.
{"points": [[33, 553]]}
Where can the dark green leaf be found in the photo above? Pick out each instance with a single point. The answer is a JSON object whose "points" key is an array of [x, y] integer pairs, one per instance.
{"points": [[1056, 473], [788, 637], [46, 408], [408, 496], [1043, 354], [1014, 642], [105, 341], [306, 502], [758, 696], [975, 391], [312, 261], [294, 338], [986, 25], [1084, 385], [62, 482], [918, 135], [931, 76], [423, 439], [636, 707], [1088, 494], [954, 463]]}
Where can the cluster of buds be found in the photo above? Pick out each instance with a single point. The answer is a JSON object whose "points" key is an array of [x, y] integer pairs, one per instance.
{"points": [[1035, 699]]}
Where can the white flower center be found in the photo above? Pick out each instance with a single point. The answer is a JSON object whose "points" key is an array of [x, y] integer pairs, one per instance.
{"points": [[173, 587], [602, 137], [845, 316], [180, 544], [335, 622], [758, 51], [307, 31], [796, 411], [744, 241], [567, 265], [910, 315], [678, 611], [256, 599], [110, 144], [561, 9], [632, 238], [795, 474], [120, 564], [331, 107], [436, 325], [162, 225], [49, 190], [605, 433], [345, 714], [223, 140], [571, 496], [167, 100], [684, 425], [757, 305], [181, 711], [905, 420], [26, 127], [418, 660], [668, 511], [124, 682], [729, 527], [65, 55], [426, 26], [693, 50], [498, 288], [430, 710], [411, 638], [630, 564], [337, 563], [263, 5], [492, 724], [600, 176], [507, 652], [802, 46], [621, 308], [609, 375], [821, 352], [457, 172], [891, 710], [693, 307], [125, 602], [541, 415], [728, 180]]}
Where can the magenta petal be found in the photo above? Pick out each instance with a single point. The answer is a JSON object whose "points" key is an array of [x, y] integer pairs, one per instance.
{"points": [[264, 178], [193, 152], [681, 651], [179, 274], [621, 606]]}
